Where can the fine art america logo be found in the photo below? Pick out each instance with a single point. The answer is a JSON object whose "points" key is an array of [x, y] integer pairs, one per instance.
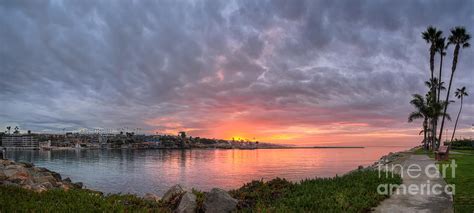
{"points": [[418, 179]]}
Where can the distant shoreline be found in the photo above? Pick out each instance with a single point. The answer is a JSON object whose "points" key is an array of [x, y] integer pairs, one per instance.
{"points": [[282, 147]]}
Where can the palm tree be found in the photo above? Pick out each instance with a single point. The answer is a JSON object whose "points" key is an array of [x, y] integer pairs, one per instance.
{"points": [[8, 129], [422, 111], [440, 48], [436, 111], [460, 93], [16, 130], [431, 101], [431, 36], [460, 38]]}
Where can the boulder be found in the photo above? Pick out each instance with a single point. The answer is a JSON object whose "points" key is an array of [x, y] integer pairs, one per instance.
{"points": [[151, 197], [5, 162], [40, 169], [45, 178], [218, 200], [56, 175], [17, 175], [39, 188], [26, 164], [78, 185], [65, 186], [187, 204], [172, 192], [2, 176]]}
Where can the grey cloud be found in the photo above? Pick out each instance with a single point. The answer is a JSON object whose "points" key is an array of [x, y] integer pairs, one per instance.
{"points": [[115, 63]]}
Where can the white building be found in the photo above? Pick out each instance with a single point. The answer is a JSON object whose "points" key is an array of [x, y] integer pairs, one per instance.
{"points": [[20, 142]]}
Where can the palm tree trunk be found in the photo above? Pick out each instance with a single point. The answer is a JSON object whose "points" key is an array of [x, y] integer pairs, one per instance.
{"points": [[440, 76], [456, 124], [425, 128], [434, 120], [432, 55], [433, 98], [453, 69]]}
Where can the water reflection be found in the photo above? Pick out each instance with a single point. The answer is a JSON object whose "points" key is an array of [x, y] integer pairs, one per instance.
{"points": [[142, 171]]}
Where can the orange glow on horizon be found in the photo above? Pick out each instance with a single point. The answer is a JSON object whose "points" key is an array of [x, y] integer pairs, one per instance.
{"points": [[347, 133]]}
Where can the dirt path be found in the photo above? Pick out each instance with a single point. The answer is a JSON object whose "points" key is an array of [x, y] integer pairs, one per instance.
{"points": [[419, 201]]}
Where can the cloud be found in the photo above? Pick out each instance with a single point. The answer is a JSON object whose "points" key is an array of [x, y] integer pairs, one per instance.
{"points": [[201, 65]]}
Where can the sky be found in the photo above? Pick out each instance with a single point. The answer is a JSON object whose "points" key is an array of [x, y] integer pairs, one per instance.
{"points": [[290, 72]]}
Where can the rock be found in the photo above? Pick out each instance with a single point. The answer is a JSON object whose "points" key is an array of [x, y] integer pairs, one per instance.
{"points": [[13, 172], [151, 197], [67, 180], [40, 169], [57, 176], [218, 200], [28, 187], [38, 188], [78, 185], [26, 164], [14, 167], [2, 176], [6, 162], [172, 192], [65, 186], [187, 204], [47, 178]]}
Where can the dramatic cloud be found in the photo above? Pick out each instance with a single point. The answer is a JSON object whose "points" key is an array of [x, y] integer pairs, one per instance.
{"points": [[306, 72]]}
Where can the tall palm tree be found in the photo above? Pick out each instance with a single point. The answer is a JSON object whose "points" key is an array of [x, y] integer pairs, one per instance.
{"points": [[8, 129], [460, 38], [460, 93], [422, 111], [431, 36], [440, 49]]}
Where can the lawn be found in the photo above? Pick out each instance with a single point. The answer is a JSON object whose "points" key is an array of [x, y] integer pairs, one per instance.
{"points": [[463, 180], [15, 199], [354, 192]]}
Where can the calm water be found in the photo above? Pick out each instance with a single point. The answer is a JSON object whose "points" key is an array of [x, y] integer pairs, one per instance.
{"points": [[142, 171]]}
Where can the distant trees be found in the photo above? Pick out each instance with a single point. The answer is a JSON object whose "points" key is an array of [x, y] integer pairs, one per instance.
{"points": [[182, 135], [430, 107], [460, 93]]}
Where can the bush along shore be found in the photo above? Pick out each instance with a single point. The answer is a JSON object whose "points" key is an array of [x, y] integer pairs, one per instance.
{"points": [[24, 187]]}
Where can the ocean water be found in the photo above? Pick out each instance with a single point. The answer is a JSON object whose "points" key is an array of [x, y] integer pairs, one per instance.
{"points": [[143, 171]]}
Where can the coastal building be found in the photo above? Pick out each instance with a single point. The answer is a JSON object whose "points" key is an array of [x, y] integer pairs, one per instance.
{"points": [[17, 141]]}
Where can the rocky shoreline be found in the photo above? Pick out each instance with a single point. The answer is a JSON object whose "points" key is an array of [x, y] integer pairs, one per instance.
{"points": [[27, 176], [389, 159], [38, 179]]}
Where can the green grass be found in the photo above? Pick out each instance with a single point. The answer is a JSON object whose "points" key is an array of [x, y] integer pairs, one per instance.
{"points": [[15, 199], [354, 192], [422, 151], [463, 180]]}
